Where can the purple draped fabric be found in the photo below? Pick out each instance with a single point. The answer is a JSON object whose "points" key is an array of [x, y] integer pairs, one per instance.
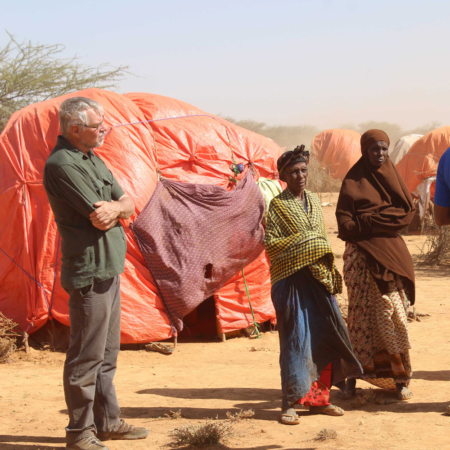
{"points": [[195, 237]]}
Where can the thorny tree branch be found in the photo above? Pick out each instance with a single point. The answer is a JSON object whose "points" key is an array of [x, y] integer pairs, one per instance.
{"points": [[31, 73]]}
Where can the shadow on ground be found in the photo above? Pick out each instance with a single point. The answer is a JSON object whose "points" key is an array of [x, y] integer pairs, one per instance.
{"points": [[224, 447], [31, 447], [267, 402], [438, 375], [16, 442], [431, 271], [35, 439], [267, 395]]}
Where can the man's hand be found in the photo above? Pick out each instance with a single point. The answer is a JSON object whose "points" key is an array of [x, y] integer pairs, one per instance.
{"points": [[105, 225], [107, 214]]}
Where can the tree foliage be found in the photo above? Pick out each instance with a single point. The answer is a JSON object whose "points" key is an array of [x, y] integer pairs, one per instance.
{"points": [[32, 73]]}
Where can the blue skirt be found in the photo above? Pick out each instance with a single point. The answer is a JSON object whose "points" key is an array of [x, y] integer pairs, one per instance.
{"points": [[312, 335]]}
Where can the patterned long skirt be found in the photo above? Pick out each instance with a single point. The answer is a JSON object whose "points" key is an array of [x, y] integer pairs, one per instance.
{"points": [[377, 323]]}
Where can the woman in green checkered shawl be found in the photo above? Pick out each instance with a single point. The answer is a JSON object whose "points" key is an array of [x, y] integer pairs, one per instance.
{"points": [[315, 349]]}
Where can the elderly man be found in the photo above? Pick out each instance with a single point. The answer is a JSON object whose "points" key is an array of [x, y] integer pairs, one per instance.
{"points": [[87, 203]]}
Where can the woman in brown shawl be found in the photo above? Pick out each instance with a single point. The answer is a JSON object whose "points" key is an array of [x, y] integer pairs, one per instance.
{"points": [[374, 206]]}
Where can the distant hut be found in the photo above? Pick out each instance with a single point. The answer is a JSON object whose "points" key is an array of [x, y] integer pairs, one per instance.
{"points": [[419, 166], [402, 147], [337, 150]]}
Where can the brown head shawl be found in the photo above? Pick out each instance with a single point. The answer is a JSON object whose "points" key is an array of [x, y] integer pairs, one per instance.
{"points": [[374, 205]]}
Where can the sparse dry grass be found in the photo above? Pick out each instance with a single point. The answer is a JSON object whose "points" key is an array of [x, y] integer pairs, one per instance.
{"points": [[319, 181], [171, 415], [325, 433], [7, 348], [368, 396], [436, 249], [8, 335], [210, 432], [174, 415], [240, 415]]}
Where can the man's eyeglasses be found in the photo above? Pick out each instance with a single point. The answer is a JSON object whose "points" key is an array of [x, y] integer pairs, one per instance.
{"points": [[94, 127]]}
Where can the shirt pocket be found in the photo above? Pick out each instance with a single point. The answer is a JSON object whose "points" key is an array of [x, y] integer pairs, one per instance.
{"points": [[104, 187]]}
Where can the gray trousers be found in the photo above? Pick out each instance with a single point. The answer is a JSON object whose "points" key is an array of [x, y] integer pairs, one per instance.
{"points": [[91, 360]]}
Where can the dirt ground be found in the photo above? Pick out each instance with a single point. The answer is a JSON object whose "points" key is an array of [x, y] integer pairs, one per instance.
{"points": [[205, 379]]}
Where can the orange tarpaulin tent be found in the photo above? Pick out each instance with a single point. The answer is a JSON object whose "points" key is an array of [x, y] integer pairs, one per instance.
{"points": [[337, 150], [192, 149], [421, 161]]}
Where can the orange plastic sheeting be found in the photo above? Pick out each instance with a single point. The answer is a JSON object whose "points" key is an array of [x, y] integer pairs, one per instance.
{"points": [[337, 151], [232, 305], [195, 149], [423, 157], [201, 149], [30, 237]]}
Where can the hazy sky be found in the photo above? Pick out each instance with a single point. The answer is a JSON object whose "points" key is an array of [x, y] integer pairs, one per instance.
{"points": [[318, 62]]}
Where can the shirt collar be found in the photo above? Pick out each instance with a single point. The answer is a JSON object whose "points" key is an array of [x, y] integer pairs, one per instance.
{"points": [[64, 143]]}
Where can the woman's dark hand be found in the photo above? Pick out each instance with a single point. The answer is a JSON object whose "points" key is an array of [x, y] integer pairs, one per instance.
{"points": [[348, 229], [351, 226]]}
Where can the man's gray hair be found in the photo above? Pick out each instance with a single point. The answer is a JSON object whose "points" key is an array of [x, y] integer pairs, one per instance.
{"points": [[73, 112]]}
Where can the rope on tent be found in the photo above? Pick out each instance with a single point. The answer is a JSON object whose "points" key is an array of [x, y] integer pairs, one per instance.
{"points": [[256, 333], [54, 277], [164, 118], [36, 281], [150, 121]]}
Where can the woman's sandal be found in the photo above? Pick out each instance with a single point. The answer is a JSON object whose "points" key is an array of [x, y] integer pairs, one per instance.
{"points": [[289, 419], [329, 410], [403, 393], [160, 348]]}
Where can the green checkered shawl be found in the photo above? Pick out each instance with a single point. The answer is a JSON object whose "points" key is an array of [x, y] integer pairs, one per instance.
{"points": [[296, 239]]}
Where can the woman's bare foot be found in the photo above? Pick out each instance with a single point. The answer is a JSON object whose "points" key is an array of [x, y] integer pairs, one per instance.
{"points": [[349, 391], [403, 392]]}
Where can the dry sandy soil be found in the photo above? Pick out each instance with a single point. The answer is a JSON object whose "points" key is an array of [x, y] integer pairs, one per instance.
{"points": [[205, 379]]}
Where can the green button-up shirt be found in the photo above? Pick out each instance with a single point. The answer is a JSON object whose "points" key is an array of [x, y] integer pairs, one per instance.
{"points": [[74, 182]]}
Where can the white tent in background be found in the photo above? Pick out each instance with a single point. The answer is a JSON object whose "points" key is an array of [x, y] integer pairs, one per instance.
{"points": [[402, 146]]}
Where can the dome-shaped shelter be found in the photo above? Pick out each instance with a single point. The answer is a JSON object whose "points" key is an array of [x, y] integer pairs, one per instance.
{"points": [[196, 149], [337, 150], [402, 147], [421, 161]]}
